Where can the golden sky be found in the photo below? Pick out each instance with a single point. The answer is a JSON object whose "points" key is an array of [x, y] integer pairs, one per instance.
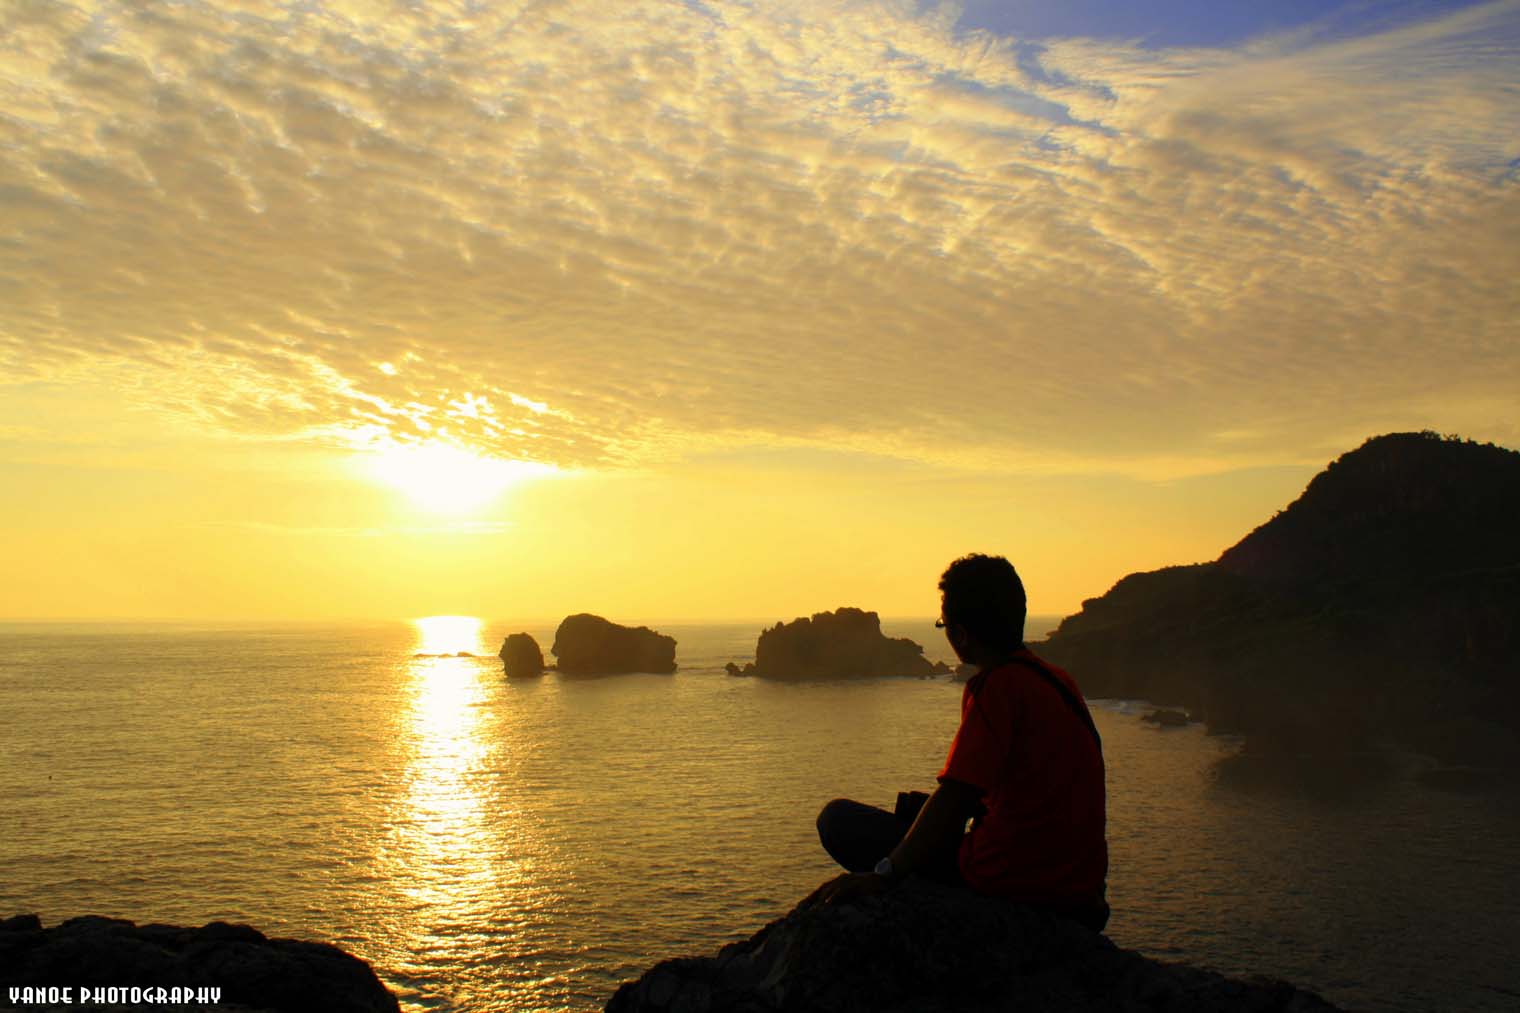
{"points": [[709, 309]]}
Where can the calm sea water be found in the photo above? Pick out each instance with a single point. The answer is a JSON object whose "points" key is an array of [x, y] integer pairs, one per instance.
{"points": [[491, 845]]}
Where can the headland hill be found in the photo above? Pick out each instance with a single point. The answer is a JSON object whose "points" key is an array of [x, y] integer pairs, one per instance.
{"points": [[1381, 608]]}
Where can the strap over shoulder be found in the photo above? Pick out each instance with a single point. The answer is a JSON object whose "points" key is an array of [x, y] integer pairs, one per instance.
{"points": [[1029, 661]]}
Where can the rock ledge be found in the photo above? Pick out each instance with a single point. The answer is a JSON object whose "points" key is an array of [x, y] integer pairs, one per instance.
{"points": [[253, 972], [930, 949]]}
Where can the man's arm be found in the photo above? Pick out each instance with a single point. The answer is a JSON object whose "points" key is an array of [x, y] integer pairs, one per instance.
{"points": [[936, 831], [938, 828]]}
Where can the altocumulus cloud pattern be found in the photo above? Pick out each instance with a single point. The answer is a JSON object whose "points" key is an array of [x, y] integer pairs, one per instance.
{"points": [[594, 235]]}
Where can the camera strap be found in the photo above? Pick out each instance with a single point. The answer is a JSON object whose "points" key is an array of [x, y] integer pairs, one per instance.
{"points": [[1028, 661]]}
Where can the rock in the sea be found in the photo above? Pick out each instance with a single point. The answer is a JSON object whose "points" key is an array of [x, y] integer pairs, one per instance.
{"points": [[586, 644], [844, 644], [932, 949], [1167, 718], [254, 973], [520, 656]]}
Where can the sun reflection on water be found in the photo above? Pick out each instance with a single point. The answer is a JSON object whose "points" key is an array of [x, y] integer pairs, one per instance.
{"points": [[462, 847], [446, 774], [442, 861], [447, 769]]}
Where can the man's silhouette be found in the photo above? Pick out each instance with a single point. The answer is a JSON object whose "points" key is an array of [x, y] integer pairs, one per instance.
{"points": [[1026, 764]]}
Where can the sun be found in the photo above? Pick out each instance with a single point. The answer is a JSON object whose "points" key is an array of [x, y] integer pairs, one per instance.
{"points": [[447, 478], [448, 635]]}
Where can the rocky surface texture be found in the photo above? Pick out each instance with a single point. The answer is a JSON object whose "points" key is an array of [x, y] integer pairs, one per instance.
{"points": [[521, 657], [252, 971], [932, 949], [586, 644], [1382, 606], [844, 644]]}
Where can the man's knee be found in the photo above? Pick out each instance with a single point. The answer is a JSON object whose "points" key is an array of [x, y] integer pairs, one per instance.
{"points": [[830, 815]]}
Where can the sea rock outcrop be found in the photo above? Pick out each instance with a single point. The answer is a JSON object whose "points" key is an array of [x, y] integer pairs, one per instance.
{"points": [[586, 644], [1382, 606], [253, 973], [933, 949], [843, 644], [521, 657]]}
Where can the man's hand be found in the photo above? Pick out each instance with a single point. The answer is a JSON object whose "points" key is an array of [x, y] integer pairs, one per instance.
{"points": [[850, 887]]}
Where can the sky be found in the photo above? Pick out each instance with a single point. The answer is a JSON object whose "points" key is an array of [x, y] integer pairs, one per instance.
{"points": [[706, 309]]}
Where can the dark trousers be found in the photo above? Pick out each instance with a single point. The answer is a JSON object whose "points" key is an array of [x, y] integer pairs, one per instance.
{"points": [[857, 836]]}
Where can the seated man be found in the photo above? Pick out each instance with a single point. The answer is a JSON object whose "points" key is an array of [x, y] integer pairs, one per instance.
{"points": [[1026, 763]]}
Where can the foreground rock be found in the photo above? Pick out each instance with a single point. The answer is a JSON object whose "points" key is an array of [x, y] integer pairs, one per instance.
{"points": [[586, 644], [844, 644], [253, 972], [929, 949], [521, 657], [1383, 605]]}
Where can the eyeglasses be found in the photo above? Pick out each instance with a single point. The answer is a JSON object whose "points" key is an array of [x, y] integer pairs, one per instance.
{"points": [[939, 624]]}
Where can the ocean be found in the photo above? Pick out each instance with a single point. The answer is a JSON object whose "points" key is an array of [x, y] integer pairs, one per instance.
{"points": [[492, 845]]}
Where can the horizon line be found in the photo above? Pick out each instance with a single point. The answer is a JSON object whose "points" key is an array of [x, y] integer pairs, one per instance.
{"points": [[536, 621]]}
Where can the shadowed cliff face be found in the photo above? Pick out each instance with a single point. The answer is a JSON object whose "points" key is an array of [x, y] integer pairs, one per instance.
{"points": [[1382, 605], [936, 949]]}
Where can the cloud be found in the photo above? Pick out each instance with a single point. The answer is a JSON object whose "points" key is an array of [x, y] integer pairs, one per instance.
{"points": [[632, 239]]}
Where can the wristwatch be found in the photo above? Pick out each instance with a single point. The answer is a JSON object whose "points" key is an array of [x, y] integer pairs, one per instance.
{"points": [[884, 867]]}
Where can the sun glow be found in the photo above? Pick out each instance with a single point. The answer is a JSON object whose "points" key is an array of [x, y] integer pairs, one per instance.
{"points": [[448, 635], [447, 478]]}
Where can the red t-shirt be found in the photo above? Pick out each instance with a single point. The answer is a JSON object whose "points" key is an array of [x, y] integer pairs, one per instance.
{"points": [[1041, 776]]}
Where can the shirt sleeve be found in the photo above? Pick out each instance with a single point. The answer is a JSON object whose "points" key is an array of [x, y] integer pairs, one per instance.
{"points": [[979, 751]]}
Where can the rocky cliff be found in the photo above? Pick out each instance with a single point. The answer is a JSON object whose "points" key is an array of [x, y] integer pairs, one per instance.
{"points": [[844, 644], [1382, 605], [586, 644], [248, 971], [933, 949]]}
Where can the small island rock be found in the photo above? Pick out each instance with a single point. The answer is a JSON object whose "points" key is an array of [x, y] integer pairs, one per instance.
{"points": [[253, 972], [520, 656], [932, 949], [1167, 718], [586, 644], [844, 644]]}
